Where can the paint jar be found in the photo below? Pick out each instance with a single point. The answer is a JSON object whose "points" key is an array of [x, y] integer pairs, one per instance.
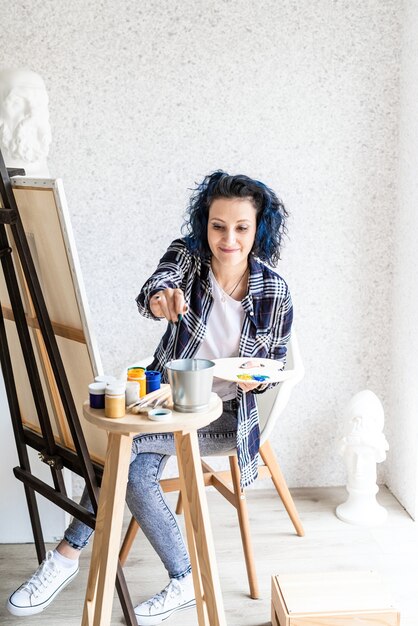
{"points": [[105, 379], [132, 392], [97, 395], [159, 415], [138, 374], [115, 399], [153, 380]]}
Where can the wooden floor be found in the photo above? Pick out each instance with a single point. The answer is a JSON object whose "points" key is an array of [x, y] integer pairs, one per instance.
{"points": [[329, 545]]}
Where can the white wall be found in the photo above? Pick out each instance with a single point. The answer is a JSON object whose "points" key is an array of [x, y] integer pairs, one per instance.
{"points": [[146, 98], [14, 517], [402, 469]]}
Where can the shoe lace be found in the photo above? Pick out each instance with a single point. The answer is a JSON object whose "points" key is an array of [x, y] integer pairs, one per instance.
{"points": [[172, 590], [46, 572]]}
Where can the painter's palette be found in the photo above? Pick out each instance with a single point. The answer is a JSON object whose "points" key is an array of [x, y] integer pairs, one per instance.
{"points": [[241, 369]]}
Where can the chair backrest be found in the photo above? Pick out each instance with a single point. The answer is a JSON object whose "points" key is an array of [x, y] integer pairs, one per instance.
{"points": [[273, 402]]}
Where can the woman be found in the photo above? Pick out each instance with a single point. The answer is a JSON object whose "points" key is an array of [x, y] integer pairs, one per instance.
{"points": [[215, 284]]}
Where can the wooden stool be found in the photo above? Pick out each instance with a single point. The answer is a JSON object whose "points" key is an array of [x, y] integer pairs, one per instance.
{"points": [[104, 559]]}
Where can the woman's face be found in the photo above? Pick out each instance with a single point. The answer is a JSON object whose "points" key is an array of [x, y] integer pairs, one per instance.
{"points": [[232, 226]]}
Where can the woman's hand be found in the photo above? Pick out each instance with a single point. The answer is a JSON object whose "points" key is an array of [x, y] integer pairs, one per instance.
{"points": [[248, 386], [168, 303]]}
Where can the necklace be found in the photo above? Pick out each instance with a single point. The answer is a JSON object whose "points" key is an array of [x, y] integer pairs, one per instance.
{"points": [[229, 293], [236, 286]]}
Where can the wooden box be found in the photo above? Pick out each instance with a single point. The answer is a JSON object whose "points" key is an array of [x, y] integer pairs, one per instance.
{"points": [[331, 599]]}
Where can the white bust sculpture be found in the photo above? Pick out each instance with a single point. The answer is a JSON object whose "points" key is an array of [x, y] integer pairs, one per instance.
{"points": [[25, 134], [362, 446]]}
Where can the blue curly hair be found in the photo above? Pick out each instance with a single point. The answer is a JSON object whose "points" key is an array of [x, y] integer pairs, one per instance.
{"points": [[271, 213]]}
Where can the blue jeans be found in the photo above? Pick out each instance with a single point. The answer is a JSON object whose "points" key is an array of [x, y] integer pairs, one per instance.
{"points": [[145, 497]]}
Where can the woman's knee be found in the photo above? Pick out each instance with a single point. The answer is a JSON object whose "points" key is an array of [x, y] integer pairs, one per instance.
{"points": [[145, 472]]}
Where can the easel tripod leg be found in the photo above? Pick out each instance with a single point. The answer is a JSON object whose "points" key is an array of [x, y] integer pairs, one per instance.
{"points": [[7, 370], [35, 523]]}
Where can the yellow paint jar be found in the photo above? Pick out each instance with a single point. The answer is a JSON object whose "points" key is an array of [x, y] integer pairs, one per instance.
{"points": [[138, 374], [115, 399]]}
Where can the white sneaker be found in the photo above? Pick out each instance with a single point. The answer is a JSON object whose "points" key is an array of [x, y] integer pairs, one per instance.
{"points": [[174, 597], [39, 591]]}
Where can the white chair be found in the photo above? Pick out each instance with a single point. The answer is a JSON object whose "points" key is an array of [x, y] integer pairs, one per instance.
{"points": [[271, 405]]}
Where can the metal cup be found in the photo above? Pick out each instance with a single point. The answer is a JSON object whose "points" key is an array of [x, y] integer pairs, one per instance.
{"points": [[191, 384]]}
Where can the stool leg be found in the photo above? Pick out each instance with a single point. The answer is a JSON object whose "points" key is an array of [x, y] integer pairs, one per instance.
{"points": [[194, 499], [103, 565], [202, 614], [128, 540], [270, 460], [244, 526], [179, 506]]}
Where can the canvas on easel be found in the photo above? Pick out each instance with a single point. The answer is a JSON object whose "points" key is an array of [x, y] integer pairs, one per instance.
{"points": [[45, 219]]}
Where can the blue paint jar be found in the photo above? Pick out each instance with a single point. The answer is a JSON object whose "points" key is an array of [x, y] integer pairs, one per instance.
{"points": [[97, 395], [153, 380]]}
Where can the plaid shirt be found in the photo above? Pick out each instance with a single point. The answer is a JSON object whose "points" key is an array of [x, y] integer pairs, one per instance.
{"points": [[265, 331]]}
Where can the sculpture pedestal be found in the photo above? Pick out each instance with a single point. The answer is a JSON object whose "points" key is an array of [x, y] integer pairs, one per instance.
{"points": [[362, 509]]}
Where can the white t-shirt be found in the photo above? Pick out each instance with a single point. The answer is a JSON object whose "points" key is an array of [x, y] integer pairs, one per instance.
{"points": [[223, 334]]}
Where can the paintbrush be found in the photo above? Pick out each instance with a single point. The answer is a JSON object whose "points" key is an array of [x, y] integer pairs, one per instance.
{"points": [[148, 407], [176, 337], [159, 395]]}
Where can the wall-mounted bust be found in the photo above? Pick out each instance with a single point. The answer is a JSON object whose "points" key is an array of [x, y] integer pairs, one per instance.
{"points": [[25, 134]]}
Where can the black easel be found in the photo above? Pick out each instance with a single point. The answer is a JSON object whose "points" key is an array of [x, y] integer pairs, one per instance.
{"points": [[51, 453]]}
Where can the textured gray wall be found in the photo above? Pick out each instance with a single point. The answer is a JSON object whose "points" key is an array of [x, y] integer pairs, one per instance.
{"points": [[147, 98]]}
